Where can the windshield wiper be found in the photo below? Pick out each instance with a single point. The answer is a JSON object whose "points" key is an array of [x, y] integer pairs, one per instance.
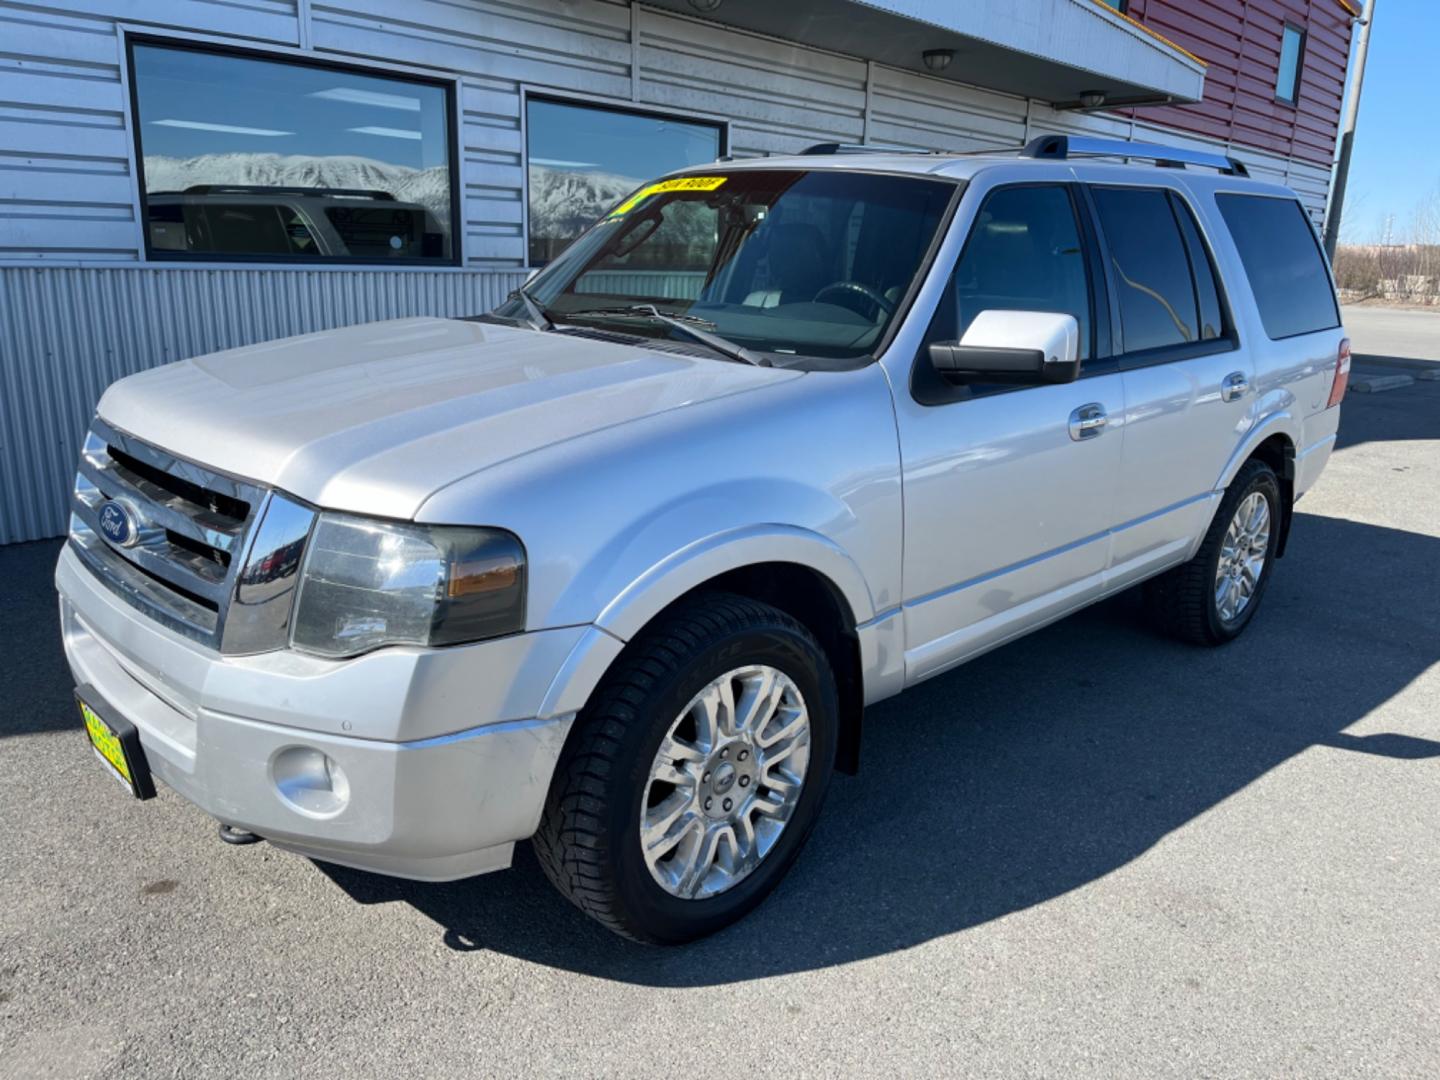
{"points": [[539, 318], [683, 323]]}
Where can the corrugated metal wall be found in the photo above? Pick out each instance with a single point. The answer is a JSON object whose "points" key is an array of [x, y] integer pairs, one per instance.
{"points": [[1240, 40], [79, 308], [66, 334]]}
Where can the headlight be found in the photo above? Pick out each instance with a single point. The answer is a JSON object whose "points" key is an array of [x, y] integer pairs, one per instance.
{"points": [[370, 583]]}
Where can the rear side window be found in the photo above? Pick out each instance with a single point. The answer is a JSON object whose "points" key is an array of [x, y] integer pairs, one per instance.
{"points": [[1151, 268], [1283, 262]]}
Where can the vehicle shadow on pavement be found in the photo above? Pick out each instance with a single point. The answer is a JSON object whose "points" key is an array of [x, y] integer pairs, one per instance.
{"points": [[1391, 416], [1030, 772], [35, 681]]}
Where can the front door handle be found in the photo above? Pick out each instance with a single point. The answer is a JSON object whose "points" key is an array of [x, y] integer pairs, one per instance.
{"points": [[1234, 386], [1088, 421]]}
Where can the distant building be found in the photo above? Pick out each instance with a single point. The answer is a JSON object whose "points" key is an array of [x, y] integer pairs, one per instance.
{"points": [[181, 176]]}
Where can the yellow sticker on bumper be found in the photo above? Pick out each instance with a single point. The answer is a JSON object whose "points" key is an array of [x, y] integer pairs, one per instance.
{"points": [[680, 183]]}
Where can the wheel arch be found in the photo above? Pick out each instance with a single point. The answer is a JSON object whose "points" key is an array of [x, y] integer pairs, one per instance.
{"points": [[807, 577], [1278, 451], [1272, 442]]}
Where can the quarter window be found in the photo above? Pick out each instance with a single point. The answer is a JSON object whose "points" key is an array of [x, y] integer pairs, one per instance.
{"points": [[1282, 259], [582, 161], [243, 157], [1150, 268], [1292, 53], [1207, 288], [1023, 254]]}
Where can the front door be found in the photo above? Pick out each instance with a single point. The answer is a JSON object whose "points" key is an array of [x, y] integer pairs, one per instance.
{"points": [[1009, 492]]}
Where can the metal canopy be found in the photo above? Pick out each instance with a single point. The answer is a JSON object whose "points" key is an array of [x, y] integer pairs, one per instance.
{"points": [[1051, 50]]}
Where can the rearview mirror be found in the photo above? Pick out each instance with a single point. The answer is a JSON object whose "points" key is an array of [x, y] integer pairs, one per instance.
{"points": [[635, 233], [1018, 347]]}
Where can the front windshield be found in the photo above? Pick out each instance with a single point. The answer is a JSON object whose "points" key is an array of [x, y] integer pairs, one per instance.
{"points": [[781, 261]]}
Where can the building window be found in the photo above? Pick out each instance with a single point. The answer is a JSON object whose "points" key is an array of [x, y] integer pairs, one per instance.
{"points": [[584, 159], [244, 158], [1292, 52], [1118, 5]]}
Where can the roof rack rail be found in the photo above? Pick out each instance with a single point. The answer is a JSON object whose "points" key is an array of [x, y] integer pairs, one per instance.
{"points": [[1061, 147], [282, 189], [860, 148]]}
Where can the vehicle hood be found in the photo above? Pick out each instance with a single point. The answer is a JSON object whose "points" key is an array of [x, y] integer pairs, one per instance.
{"points": [[375, 418]]}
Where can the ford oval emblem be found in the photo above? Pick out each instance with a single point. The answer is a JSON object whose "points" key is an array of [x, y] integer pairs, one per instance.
{"points": [[118, 524]]}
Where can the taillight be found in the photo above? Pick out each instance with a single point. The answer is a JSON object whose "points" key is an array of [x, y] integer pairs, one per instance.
{"points": [[1342, 375]]}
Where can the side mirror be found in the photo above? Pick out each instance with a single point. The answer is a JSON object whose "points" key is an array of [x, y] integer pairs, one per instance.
{"points": [[1018, 347]]}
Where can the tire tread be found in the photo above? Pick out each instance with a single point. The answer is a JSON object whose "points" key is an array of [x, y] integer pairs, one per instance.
{"points": [[570, 843], [1179, 598]]}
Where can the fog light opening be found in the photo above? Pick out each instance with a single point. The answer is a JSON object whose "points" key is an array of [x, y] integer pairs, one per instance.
{"points": [[310, 781]]}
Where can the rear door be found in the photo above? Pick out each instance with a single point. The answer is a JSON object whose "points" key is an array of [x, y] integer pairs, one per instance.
{"points": [[1188, 383]]}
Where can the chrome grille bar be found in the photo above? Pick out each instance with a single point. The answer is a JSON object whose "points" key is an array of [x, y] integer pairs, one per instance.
{"points": [[139, 590], [162, 507], [187, 542]]}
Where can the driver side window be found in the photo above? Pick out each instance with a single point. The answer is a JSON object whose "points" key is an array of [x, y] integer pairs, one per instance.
{"points": [[1024, 253]]}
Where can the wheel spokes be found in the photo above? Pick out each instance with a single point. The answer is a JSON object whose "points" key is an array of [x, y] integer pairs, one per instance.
{"points": [[714, 712], [758, 702], [666, 826], [1259, 515], [698, 861], [725, 780], [792, 722], [676, 762], [1241, 561]]}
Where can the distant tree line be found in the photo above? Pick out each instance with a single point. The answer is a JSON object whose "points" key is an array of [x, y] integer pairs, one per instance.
{"points": [[1409, 273], [1403, 272]]}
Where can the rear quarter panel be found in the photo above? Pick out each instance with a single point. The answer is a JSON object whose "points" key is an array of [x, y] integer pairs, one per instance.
{"points": [[1293, 375]]}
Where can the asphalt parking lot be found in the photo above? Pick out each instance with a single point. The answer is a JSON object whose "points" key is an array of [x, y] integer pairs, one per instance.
{"points": [[1092, 853]]}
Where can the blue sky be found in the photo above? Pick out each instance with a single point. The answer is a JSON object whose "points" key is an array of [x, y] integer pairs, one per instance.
{"points": [[1397, 155]]}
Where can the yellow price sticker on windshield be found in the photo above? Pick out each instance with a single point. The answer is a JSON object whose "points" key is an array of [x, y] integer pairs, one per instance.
{"points": [[680, 183]]}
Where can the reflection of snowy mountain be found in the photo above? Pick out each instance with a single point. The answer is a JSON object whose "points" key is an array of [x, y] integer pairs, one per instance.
{"points": [[564, 202], [428, 187]]}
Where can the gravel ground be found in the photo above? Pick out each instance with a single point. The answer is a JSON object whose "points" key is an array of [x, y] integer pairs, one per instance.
{"points": [[1091, 853]]}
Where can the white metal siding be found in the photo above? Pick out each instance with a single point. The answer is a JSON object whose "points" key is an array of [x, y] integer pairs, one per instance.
{"points": [[66, 334], [80, 308]]}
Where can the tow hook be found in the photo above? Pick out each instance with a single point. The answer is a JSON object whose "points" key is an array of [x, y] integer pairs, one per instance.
{"points": [[233, 835]]}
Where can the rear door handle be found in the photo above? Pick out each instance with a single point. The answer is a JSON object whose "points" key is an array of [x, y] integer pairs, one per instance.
{"points": [[1088, 421], [1234, 386]]}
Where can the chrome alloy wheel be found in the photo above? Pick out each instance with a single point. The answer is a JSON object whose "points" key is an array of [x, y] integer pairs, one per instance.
{"points": [[1242, 556], [725, 782]]}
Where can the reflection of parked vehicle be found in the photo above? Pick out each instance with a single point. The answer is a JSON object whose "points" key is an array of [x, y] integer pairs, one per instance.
{"points": [[620, 565], [253, 219]]}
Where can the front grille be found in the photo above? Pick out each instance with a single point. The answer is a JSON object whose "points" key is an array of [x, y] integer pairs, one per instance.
{"points": [[189, 530]]}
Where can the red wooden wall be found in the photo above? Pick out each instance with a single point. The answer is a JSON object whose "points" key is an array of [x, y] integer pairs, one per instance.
{"points": [[1239, 40]]}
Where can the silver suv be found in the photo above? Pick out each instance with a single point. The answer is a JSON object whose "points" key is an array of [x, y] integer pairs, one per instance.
{"points": [[618, 567]]}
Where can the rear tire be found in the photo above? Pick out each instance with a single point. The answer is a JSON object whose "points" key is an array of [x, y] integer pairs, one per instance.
{"points": [[1212, 598], [723, 815]]}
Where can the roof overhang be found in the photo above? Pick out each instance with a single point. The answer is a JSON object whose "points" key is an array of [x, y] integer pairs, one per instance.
{"points": [[1051, 50]]}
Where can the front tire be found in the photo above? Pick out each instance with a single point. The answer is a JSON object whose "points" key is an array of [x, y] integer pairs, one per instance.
{"points": [[1212, 598], [695, 774]]}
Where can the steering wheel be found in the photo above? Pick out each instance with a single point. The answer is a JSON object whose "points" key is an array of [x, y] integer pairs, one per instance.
{"points": [[854, 290]]}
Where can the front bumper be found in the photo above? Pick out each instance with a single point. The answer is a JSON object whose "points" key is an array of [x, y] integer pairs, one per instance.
{"points": [[444, 762]]}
